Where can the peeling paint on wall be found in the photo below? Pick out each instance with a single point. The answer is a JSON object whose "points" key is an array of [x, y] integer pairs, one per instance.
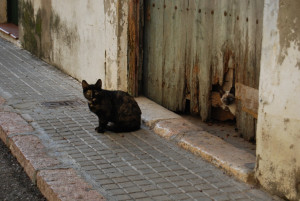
{"points": [[82, 38], [68, 35], [289, 27], [278, 142]]}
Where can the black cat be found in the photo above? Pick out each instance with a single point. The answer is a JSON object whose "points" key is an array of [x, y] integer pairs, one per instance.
{"points": [[116, 107]]}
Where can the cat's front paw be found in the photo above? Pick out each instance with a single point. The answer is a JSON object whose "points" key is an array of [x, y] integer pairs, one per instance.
{"points": [[99, 130]]}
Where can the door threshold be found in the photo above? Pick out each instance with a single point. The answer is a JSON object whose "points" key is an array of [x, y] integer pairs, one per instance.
{"points": [[10, 32], [10, 29]]}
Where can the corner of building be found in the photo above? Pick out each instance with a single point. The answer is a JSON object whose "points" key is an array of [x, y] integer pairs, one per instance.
{"points": [[278, 126]]}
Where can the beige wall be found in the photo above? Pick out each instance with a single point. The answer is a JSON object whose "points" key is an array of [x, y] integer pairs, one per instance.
{"points": [[3, 11], [86, 39], [278, 127]]}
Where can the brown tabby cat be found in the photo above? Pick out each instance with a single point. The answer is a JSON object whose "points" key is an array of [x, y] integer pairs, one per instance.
{"points": [[116, 107]]}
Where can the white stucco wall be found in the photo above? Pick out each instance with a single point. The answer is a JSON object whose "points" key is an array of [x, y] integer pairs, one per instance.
{"points": [[278, 126], [83, 38]]}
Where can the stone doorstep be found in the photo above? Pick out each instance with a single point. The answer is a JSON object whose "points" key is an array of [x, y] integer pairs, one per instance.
{"points": [[10, 29], [171, 126], [152, 112], [234, 161], [10, 32], [54, 182], [11, 39]]}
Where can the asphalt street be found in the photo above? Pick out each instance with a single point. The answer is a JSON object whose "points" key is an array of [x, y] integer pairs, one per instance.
{"points": [[15, 184]]}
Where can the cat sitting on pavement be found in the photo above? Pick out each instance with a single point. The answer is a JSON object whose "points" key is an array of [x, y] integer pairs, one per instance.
{"points": [[117, 111]]}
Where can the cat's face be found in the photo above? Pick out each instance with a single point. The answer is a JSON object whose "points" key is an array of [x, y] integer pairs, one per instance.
{"points": [[91, 90], [228, 98]]}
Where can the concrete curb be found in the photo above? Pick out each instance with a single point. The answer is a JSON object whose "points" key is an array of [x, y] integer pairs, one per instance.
{"points": [[54, 182], [193, 138]]}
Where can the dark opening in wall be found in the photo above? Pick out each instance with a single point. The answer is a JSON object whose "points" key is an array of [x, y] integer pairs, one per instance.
{"points": [[187, 106], [12, 11]]}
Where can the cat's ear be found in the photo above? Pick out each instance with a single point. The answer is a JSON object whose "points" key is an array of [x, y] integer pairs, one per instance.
{"points": [[85, 85], [99, 84], [221, 92]]}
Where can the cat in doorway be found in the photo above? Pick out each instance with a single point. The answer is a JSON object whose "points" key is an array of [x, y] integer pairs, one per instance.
{"points": [[228, 100]]}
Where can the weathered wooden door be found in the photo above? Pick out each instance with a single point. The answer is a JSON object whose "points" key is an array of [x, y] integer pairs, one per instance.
{"points": [[192, 46]]}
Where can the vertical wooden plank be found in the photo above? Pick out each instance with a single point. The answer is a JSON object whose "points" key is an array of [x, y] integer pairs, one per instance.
{"points": [[241, 35], [251, 65], [193, 58], [146, 46], [191, 62], [133, 46], [249, 61], [141, 21], [205, 52], [153, 44], [169, 37], [240, 116], [200, 83], [240, 49], [219, 41], [190, 40], [174, 38], [259, 10]]}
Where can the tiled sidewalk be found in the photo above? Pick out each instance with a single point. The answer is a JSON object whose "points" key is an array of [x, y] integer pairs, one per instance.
{"points": [[128, 166]]}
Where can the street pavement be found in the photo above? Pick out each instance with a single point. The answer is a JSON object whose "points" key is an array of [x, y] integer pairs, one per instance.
{"points": [[119, 166]]}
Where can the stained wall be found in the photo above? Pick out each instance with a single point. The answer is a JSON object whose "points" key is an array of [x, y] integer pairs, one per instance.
{"points": [[278, 126], [86, 39]]}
